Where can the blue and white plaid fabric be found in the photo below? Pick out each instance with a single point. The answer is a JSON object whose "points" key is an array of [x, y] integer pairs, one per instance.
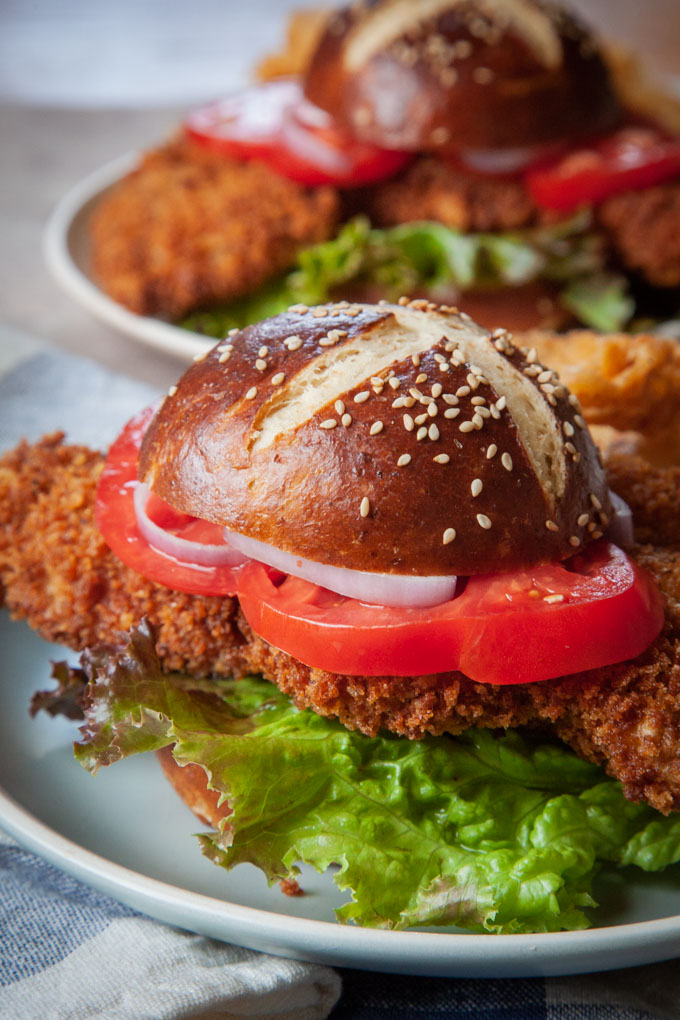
{"points": [[70, 953]]}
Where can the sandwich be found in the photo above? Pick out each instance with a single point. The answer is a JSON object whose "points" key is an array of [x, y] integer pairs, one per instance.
{"points": [[485, 154], [378, 613]]}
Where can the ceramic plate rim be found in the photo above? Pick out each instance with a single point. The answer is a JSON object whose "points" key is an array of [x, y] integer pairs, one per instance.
{"points": [[66, 224]]}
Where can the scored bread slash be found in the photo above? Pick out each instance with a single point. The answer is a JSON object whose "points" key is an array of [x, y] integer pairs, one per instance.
{"points": [[270, 438]]}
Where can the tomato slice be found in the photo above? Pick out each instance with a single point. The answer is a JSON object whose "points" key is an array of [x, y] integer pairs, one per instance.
{"points": [[634, 157], [532, 625], [273, 122], [117, 521]]}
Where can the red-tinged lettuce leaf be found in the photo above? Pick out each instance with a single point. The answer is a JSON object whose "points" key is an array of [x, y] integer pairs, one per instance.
{"points": [[488, 831]]}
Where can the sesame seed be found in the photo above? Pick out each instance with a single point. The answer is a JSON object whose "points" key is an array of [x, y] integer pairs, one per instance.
{"points": [[301, 309], [501, 403], [352, 312], [551, 526], [437, 390], [466, 426], [495, 413], [477, 401], [329, 423], [483, 521], [476, 487], [597, 534], [433, 410], [320, 313], [421, 418], [260, 364], [595, 501], [201, 356], [415, 358], [450, 398], [263, 352], [433, 432], [472, 381], [404, 460], [234, 331], [506, 461], [252, 393], [491, 452], [403, 300], [567, 428], [604, 519], [477, 420], [576, 457], [451, 412], [443, 367], [394, 382], [278, 378], [574, 401], [365, 507], [172, 391], [579, 421], [421, 378], [448, 536], [346, 420], [570, 448], [531, 355], [574, 540], [551, 599], [375, 428], [339, 406], [421, 433], [462, 391], [399, 402], [225, 347], [360, 398], [408, 401], [409, 424], [224, 357], [441, 458], [545, 377], [582, 520]]}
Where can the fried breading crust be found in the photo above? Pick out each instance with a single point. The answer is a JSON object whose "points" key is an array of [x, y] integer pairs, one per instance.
{"points": [[644, 229], [430, 189], [628, 386], [57, 573], [190, 226]]}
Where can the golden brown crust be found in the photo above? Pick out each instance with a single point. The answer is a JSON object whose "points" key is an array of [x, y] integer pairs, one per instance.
{"points": [[644, 230], [56, 572], [465, 75], [469, 499], [190, 226], [628, 386], [431, 189]]}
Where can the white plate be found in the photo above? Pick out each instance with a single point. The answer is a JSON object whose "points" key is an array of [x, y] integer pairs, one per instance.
{"points": [[66, 248], [127, 834]]}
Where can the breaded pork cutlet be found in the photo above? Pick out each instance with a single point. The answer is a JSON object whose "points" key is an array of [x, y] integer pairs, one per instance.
{"points": [[57, 572], [189, 227]]}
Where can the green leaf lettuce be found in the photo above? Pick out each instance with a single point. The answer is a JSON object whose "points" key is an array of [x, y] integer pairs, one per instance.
{"points": [[488, 831]]}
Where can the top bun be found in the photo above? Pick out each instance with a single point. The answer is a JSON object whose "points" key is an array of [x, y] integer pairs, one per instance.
{"points": [[458, 74], [398, 439]]}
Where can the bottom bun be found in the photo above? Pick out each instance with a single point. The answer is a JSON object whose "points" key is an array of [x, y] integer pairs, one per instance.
{"points": [[190, 782]]}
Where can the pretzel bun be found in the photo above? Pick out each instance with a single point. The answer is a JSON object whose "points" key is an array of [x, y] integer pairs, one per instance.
{"points": [[401, 439], [460, 74], [190, 782]]}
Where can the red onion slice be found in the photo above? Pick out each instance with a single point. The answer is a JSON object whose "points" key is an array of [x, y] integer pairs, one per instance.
{"points": [[181, 548], [378, 589], [509, 160], [621, 530]]}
